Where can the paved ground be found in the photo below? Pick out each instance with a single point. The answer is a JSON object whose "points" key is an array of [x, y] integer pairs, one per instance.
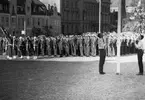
{"points": [[47, 79]]}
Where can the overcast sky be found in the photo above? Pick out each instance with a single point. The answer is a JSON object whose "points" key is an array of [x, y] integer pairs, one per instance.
{"points": [[52, 2]]}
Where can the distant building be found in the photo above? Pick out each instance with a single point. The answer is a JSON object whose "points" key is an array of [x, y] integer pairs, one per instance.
{"points": [[13, 14], [80, 16], [90, 14], [106, 15], [114, 13], [70, 16]]}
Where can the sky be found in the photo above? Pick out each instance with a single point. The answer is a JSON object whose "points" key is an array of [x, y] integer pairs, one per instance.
{"points": [[114, 3], [52, 2]]}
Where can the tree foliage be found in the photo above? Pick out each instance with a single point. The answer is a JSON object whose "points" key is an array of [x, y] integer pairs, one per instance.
{"points": [[134, 3], [136, 22], [45, 30]]}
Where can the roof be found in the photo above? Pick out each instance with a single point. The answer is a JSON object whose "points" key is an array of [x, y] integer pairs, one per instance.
{"points": [[4, 1], [92, 0], [114, 3], [21, 2], [37, 2]]}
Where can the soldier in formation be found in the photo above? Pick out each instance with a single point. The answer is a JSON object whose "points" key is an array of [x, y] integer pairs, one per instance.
{"points": [[73, 45]]}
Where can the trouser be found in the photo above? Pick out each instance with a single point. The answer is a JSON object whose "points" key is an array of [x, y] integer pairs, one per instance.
{"points": [[66, 51], [81, 50], [35, 51], [60, 51], [42, 51], [54, 51], [20, 51], [49, 51], [10, 51], [73, 50], [102, 59], [140, 60], [14, 51]]}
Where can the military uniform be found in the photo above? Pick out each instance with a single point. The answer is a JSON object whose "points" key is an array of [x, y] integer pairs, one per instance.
{"points": [[54, 47], [48, 49], [10, 47], [85, 46], [28, 47], [80, 44], [14, 48], [93, 46], [42, 46], [35, 47], [20, 47], [74, 46], [66, 46], [60, 49]]}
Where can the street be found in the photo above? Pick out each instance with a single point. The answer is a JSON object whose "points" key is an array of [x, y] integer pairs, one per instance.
{"points": [[69, 80]]}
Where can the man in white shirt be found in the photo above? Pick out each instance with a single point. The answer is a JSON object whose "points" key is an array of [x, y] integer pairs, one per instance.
{"points": [[139, 44], [102, 52]]}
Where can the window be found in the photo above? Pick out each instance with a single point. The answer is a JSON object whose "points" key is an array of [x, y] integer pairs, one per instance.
{"points": [[38, 21], [65, 3], [2, 20], [13, 20], [1, 7], [22, 22], [28, 22], [43, 22], [33, 21], [7, 21]]}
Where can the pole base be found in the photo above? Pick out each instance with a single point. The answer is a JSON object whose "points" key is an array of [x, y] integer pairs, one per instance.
{"points": [[118, 73]]}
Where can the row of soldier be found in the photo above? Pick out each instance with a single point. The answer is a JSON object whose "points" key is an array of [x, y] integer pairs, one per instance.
{"points": [[49, 46], [61, 46]]}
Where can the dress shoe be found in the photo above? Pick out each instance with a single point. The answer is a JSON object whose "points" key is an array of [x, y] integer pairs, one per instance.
{"points": [[102, 73], [139, 74]]}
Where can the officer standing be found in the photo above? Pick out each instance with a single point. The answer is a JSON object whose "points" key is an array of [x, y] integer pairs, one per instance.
{"points": [[102, 52], [139, 44]]}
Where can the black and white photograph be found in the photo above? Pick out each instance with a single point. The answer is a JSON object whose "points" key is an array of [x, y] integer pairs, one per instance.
{"points": [[72, 49]]}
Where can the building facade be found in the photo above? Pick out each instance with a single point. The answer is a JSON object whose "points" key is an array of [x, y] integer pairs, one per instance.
{"points": [[70, 16], [80, 16], [17, 15], [105, 15]]}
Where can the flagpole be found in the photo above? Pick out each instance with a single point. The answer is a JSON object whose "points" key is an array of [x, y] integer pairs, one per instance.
{"points": [[100, 4], [118, 37]]}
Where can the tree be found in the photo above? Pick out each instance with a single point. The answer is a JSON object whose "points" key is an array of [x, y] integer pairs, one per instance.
{"points": [[137, 19], [36, 31], [46, 30], [134, 3]]}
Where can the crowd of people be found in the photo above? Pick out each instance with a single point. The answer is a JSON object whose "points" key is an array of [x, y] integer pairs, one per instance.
{"points": [[69, 45]]}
